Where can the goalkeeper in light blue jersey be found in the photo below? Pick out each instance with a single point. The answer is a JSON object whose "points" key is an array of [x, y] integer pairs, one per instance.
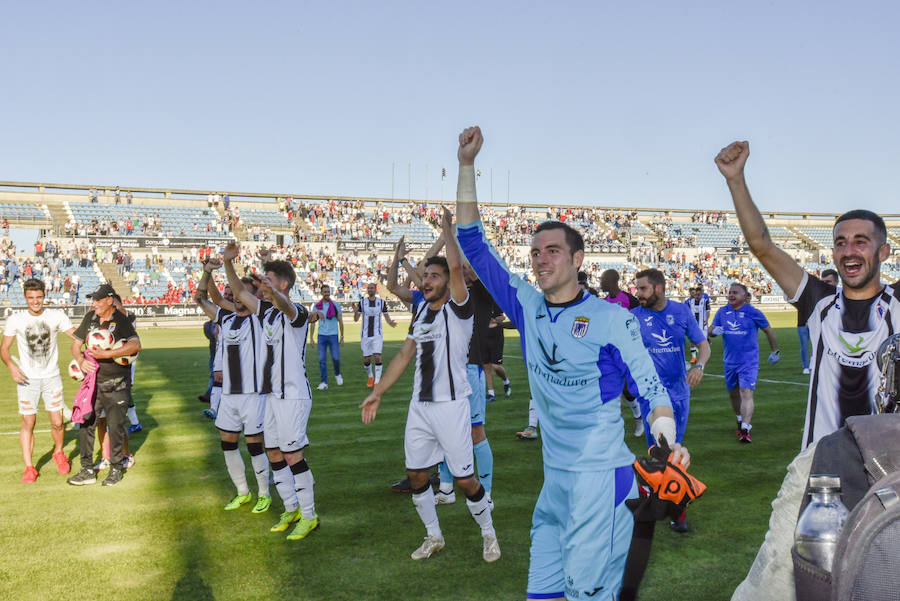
{"points": [[578, 350]]}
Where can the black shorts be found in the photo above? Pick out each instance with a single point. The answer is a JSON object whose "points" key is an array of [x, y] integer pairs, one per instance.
{"points": [[492, 346]]}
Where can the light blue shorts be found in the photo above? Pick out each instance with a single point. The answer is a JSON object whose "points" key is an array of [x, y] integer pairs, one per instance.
{"points": [[581, 533], [477, 401]]}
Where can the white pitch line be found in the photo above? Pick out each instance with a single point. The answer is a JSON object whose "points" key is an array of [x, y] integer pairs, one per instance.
{"points": [[16, 433]]}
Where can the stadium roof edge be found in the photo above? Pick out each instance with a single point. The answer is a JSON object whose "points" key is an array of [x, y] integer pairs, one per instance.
{"points": [[168, 192]]}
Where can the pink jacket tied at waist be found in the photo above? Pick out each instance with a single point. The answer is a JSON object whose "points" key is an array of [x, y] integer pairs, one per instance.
{"points": [[83, 403]]}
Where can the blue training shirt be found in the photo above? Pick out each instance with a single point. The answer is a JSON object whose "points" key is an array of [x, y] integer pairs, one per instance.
{"points": [[663, 333], [739, 333], [577, 356]]}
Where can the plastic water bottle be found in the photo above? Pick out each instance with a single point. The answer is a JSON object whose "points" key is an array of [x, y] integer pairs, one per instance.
{"points": [[820, 524]]}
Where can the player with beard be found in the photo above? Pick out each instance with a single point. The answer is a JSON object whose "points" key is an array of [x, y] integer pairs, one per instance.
{"points": [[664, 326], [438, 426], [241, 408], [846, 325], [283, 379], [577, 349], [37, 372]]}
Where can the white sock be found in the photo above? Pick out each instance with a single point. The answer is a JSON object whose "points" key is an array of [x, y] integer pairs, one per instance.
{"points": [[745, 426], [738, 417], [369, 370], [424, 503], [506, 381], [378, 372], [132, 416], [235, 464], [261, 469], [490, 392], [284, 484], [303, 482], [532, 415], [481, 513], [635, 408]]}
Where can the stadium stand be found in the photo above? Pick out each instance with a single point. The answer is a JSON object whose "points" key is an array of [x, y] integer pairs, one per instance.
{"points": [[347, 242]]}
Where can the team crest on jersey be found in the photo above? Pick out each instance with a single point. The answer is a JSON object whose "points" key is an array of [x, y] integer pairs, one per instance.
{"points": [[111, 327], [670, 319], [580, 327]]}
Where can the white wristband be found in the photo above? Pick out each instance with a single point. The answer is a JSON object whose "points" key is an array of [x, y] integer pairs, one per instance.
{"points": [[663, 425]]}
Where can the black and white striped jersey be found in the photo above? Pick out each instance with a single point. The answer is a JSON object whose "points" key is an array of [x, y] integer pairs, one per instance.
{"points": [[237, 352], [283, 352], [442, 349], [371, 310], [845, 337], [700, 309]]}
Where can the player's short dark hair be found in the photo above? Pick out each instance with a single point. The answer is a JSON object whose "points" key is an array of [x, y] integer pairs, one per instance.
{"points": [[34, 284], [610, 275], [829, 272], [654, 276], [866, 215], [582, 277], [573, 237], [282, 269], [442, 261], [324, 286]]}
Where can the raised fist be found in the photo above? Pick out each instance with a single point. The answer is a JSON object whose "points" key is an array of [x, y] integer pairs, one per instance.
{"points": [[400, 251], [232, 250], [446, 220], [732, 158], [470, 141]]}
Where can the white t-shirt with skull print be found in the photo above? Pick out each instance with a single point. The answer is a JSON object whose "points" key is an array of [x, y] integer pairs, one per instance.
{"points": [[36, 336]]}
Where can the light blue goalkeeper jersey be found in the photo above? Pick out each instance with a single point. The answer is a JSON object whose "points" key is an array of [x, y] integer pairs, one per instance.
{"points": [[577, 356]]}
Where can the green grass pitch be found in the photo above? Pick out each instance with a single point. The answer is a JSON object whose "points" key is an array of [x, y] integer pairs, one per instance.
{"points": [[162, 533]]}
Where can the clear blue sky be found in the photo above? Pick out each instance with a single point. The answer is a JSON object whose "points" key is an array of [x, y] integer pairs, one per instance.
{"points": [[621, 103]]}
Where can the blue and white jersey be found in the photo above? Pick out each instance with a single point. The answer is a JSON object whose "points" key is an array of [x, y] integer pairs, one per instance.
{"points": [[577, 356], [739, 333], [663, 333]]}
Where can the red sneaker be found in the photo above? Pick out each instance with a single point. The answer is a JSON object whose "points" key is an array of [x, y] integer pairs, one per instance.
{"points": [[62, 463], [745, 437], [370, 382], [30, 475]]}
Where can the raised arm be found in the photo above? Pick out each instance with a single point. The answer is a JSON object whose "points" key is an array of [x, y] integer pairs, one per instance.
{"points": [[237, 286], [458, 290], [201, 297], [281, 302], [401, 292], [214, 294], [416, 274], [470, 141], [778, 263]]}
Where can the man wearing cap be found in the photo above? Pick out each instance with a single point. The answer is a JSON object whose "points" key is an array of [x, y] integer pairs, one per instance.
{"points": [[113, 389]]}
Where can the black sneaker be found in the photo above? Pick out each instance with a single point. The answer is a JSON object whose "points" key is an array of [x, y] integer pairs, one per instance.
{"points": [[679, 526], [402, 487], [85, 476], [114, 476]]}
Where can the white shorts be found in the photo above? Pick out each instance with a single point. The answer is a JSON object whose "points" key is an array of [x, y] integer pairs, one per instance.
{"points": [[371, 345], [29, 394], [245, 412], [438, 432], [285, 425]]}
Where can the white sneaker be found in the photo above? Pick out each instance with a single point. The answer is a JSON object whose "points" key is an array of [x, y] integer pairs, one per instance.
{"points": [[322, 386], [491, 551], [103, 464], [639, 427], [431, 546], [127, 462], [805, 371], [443, 498], [339, 380]]}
